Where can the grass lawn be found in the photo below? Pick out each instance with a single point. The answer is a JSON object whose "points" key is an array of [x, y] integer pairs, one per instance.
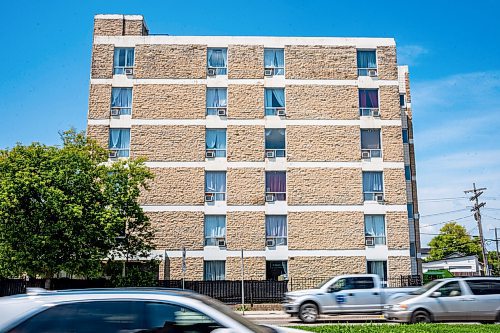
{"points": [[416, 328]]}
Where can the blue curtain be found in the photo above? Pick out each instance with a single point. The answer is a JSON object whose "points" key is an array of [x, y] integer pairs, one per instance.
{"points": [[217, 58], [367, 59], [275, 58], [215, 181], [275, 138], [370, 139], [122, 97], [276, 226], [215, 226], [372, 181], [216, 97], [119, 138], [375, 227], [216, 139], [123, 57], [379, 268], [273, 98], [214, 270]]}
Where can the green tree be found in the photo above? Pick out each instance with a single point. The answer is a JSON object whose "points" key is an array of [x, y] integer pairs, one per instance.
{"points": [[453, 238], [64, 208], [494, 263]]}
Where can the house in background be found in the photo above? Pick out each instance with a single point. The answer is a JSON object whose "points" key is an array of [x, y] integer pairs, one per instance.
{"points": [[457, 264]]}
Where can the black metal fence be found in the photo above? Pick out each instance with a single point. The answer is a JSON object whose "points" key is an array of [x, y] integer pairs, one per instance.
{"points": [[256, 291]]}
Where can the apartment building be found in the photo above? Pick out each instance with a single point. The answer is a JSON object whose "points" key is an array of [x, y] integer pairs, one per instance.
{"points": [[296, 150]]}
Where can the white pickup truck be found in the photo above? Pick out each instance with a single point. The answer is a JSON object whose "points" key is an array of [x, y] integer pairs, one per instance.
{"points": [[345, 294]]}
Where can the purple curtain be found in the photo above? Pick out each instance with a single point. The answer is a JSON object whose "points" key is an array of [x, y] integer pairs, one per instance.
{"points": [[368, 98], [275, 181]]}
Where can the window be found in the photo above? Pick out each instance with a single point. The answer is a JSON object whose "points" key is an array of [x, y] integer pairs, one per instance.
{"points": [[215, 229], [277, 270], [379, 268], [215, 185], [370, 143], [217, 61], [405, 135], [375, 229], [373, 186], [121, 101], [276, 229], [367, 62], [364, 282], [274, 100], [409, 206], [402, 100], [484, 287], [215, 142], [275, 142], [217, 101], [119, 141], [407, 172], [275, 185], [274, 60], [123, 59], [450, 289], [368, 102], [214, 270]]}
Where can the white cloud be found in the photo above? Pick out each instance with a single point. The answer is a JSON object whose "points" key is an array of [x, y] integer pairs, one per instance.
{"points": [[409, 54]]}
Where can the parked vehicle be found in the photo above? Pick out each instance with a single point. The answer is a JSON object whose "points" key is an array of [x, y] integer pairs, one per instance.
{"points": [[122, 310], [345, 294], [436, 274], [455, 299]]}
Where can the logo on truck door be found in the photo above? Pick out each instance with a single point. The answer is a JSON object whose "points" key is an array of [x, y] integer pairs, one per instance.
{"points": [[340, 299]]}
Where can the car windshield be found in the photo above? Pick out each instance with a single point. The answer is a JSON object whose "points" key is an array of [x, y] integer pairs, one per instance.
{"points": [[319, 286], [236, 317], [425, 288]]}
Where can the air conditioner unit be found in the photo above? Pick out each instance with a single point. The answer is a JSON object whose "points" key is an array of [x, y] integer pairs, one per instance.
{"points": [[129, 71], [221, 111], [376, 113], [115, 111], [369, 241], [281, 112], [212, 72], [270, 242], [379, 197], [270, 154], [372, 72], [221, 242], [210, 154], [270, 198], [268, 72], [365, 154], [209, 197], [113, 154]]}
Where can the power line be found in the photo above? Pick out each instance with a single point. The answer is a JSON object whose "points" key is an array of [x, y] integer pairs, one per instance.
{"points": [[430, 225], [443, 213], [443, 199], [491, 217]]}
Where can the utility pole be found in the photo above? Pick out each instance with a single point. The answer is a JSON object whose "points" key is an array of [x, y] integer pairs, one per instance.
{"points": [[498, 255], [477, 216]]}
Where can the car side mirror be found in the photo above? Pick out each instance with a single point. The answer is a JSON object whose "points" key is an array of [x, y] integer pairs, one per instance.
{"points": [[436, 294], [333, 289]]}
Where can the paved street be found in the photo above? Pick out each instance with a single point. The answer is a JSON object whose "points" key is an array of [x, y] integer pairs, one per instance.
{"points": [[282, 319]]}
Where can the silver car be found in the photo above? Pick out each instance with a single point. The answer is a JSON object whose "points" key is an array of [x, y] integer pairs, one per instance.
{"points": [[122, 310], [454, 299]]}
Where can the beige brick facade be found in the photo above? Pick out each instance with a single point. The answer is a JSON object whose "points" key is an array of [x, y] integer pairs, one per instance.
{"points": [[323, 143], [326, 231], [245, 186], [394, 187], [134, 28], [321, 102], [245, 101], [255, 268], [194, 268], [392, 144], [99, 101], [168, 143], [167, 227], [108, 27], [316, 266], [320, 62], [245, 230], [164, 61], [246, 143], [387, 63], [102, 61], [396, 225], [169, 101], [175, 186], [245, 61], [99, 133], [397, 266], [324, 186], [389, 103]]}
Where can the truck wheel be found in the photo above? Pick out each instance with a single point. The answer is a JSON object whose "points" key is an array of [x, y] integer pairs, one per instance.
{"points": [[421, 316], [308, 312]]}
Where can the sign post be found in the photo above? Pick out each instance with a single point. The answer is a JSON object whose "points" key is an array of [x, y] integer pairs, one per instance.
{"points": [[183, 265]]}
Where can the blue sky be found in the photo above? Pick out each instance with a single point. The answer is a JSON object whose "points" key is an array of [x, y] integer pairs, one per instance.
{"points": [[452, 50]]}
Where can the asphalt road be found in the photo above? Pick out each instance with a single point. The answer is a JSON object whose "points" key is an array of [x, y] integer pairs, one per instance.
{"points": [[279, 318]]}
